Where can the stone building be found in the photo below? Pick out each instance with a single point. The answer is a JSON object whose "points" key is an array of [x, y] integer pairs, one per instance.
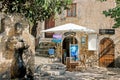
{"points": [[89, 14]]}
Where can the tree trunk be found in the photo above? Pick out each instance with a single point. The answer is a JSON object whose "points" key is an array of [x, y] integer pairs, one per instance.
{"points": [[34, 29]]}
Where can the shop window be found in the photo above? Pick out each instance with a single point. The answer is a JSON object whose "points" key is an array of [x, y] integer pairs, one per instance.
{"points": [[72, 11]]}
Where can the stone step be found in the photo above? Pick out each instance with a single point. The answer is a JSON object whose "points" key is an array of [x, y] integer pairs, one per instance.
{"points": [[42, 53], [53, 69], [56, 72]]}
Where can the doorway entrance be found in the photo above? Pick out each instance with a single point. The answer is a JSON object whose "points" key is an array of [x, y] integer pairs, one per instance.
{"points": [[106, 55], [66, 45]]}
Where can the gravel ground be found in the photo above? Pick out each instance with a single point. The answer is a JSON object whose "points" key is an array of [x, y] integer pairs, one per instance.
{"points": [[45, 70], [94, 73]]}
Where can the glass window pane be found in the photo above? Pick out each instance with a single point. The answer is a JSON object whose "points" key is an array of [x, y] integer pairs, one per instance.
{"points": [[72, 11], [69, 13]]}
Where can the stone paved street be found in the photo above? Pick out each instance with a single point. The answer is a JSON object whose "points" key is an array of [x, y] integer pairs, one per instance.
{"points": [[94, 73]]}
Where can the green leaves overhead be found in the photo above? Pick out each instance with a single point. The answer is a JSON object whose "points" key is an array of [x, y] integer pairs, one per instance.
{"points": [[118, 2], [35, 10]]}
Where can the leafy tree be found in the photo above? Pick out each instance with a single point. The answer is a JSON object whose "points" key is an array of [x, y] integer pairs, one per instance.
{"points": [[114, 13], [34, 10]]}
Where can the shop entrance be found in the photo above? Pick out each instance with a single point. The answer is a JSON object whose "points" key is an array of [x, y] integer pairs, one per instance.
{"points": [[66, 44], [106, 54]]}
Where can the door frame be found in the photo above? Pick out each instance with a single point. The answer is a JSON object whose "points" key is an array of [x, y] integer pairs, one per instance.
{"points": [[76, 42]]}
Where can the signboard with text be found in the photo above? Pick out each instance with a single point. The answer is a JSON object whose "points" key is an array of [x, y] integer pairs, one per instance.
{"points": [[107, 31]]}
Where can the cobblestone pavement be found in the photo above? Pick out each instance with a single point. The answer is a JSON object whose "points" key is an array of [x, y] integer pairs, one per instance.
{"points": [[94, 73]]}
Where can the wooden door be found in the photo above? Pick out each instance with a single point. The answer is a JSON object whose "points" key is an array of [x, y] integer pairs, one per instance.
{"points": [[106, 54], [49, 23]]}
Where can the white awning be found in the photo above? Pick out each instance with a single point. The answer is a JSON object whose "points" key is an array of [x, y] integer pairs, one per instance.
{"points": [[69, 27]]}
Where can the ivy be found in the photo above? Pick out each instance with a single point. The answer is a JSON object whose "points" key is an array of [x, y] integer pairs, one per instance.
{"points": [[35, 10]]}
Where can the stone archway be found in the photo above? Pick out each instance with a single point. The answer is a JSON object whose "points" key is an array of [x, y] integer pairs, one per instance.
{"points": [[106, 53], [66, 43]]}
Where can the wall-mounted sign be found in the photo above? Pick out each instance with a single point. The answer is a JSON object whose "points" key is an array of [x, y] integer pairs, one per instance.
{"points": [[83, 40], [92, 42], [107, 31], [70, 33]]}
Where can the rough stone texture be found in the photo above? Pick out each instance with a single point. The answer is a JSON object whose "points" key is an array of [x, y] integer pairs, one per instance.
{"points": [[7, 54], [91, 73], [10, 20], [89, 14], [51, 69]]}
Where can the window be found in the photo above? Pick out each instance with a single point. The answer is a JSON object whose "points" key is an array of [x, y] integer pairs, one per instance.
{"points": [[72, 11]]}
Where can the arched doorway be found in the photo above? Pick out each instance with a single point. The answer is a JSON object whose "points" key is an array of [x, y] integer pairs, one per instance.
{"points": [[106, 54], [66, 44]]}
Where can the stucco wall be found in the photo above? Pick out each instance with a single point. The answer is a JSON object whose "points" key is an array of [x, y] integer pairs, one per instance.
{"points": [[89, 14]]}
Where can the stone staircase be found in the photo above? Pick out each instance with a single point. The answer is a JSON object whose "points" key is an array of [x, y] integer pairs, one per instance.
{"points": [[42, 49]]}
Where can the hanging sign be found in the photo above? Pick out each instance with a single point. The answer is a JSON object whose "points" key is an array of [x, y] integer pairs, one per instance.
{"points": [[57, 38]]}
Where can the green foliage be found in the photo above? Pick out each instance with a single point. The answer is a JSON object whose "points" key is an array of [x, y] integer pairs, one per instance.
{"points": [[118, 2], [35, 10], [114, 13]]}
